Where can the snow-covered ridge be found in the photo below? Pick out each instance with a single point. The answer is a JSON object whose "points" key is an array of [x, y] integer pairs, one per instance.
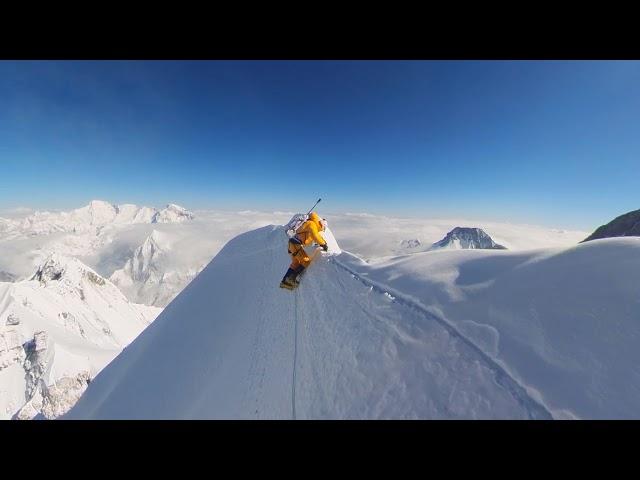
{"points": [[57, 330], [460, 334]]}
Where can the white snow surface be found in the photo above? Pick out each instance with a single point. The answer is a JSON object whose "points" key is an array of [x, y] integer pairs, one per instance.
{"points": [[448, 334]]}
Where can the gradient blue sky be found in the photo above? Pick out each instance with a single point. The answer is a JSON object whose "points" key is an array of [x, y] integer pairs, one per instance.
{"points": [[555, 143]]}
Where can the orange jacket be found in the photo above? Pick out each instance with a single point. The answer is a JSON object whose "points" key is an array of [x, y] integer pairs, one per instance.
{"points": [[309, 231]]}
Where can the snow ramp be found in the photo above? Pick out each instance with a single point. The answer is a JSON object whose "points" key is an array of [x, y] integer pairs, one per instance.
{"points": [[233, 345]]}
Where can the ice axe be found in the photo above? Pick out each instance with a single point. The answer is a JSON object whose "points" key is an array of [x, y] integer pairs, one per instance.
{"points": [[314, 206]]}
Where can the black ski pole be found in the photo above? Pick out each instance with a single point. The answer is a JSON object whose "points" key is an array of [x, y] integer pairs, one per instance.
{"points": [[314, 206]]}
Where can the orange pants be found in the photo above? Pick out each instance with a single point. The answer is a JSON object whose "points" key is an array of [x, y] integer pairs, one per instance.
{"points": [[298, 256]]}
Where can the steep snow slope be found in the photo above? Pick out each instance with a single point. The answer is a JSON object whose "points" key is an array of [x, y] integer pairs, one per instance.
{"points": [[57, 331], [234, 345]]}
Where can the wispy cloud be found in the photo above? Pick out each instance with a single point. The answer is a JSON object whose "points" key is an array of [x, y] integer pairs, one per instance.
{"points": [[16, 211]]}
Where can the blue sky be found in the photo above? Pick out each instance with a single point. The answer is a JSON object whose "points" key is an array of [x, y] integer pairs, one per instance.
{"points": [[555, 143]]}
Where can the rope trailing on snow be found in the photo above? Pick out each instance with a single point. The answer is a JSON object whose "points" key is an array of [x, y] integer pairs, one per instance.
{"points": [[534, 407], [295, 355]]}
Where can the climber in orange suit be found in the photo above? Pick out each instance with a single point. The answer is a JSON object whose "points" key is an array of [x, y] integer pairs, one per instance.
{"points": [[308, 233]]}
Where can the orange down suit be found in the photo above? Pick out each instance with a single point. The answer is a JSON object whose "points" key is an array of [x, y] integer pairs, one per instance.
{"points": [[308, 233]]}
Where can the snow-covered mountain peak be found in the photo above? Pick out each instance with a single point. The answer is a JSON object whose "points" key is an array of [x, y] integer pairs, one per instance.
{"points": [[102, 212], [151, 248], [100, 204], [97, 213], [467, 238], [150, 276], [410, 243], [69, 275], [156, 236], [147, 276], [143, 265], [172, 213], [56, 267], [129, 213]]}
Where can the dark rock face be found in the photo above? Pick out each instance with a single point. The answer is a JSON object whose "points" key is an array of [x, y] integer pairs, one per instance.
{"points": [[467, 238], [627, 225], [49, 271]]}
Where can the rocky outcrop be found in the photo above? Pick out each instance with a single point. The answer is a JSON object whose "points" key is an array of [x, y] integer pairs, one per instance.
{"points": [[627, 225]]}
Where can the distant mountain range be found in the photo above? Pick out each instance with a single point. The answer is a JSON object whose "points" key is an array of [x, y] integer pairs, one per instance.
{"points": [[93, 217]]}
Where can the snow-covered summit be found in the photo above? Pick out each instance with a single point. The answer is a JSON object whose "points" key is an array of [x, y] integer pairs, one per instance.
{"points": [[144, 266], [132, 214], [97, 213], [145, 256], [59, 268], [172, 214], [467, 238], [150, 275], [51, 269]]}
